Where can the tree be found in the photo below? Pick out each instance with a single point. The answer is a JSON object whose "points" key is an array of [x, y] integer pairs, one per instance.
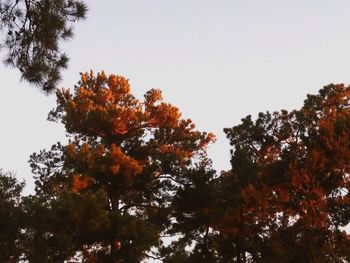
{"points": [[286, 197], [195, 208], [290, 172], [11, 218], [110, 189], [32, 30]]}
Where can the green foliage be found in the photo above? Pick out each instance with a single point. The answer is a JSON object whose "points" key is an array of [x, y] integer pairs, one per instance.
{"points": [[112, 186], [31, 33], [11, 218], [56, 229]]}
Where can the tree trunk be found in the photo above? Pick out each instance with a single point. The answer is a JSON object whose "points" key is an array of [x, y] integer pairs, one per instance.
{"points": [[115, 244]]}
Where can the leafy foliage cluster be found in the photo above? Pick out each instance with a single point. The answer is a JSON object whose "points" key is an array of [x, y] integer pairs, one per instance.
{"points": [[134, 172], [31, 31]]}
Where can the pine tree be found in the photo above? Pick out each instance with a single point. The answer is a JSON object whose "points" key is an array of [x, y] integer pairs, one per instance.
{"points": [[292, 172], [109, 191]]}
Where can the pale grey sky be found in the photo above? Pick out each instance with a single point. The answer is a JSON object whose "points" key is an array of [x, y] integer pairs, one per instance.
{"points": [[216, 60]]}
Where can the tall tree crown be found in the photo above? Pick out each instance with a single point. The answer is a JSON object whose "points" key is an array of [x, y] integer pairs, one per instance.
{"points": [[128, 157]]}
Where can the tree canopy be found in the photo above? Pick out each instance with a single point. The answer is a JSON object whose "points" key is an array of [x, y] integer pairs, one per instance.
{"points": [[111, 187], [286, 198], [290, 172], [134, 172], [31, 32], [134, 182]]}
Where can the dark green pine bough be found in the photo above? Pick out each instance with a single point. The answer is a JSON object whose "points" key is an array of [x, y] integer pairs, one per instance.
{"points": [[31, 31]]}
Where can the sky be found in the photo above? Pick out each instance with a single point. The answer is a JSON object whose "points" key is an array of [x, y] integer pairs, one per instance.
{"points": [[218, 61]]}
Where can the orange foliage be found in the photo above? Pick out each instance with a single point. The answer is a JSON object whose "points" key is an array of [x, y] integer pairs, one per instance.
{"points": [[81, 183], [121, 163], [128, 134]]}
